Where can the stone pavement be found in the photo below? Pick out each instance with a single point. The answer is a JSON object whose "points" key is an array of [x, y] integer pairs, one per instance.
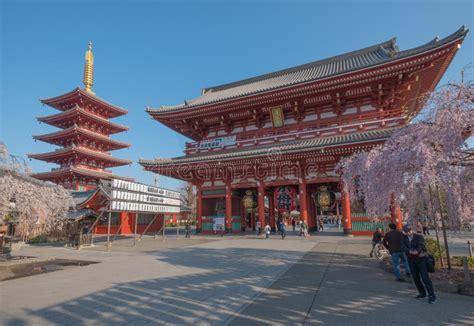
{"points": [[200, 284], [235, 280], [334, 284]]}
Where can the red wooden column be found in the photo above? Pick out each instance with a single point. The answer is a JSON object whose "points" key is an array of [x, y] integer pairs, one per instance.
{"points": [[228, 209], [271, 207], [346, 213], [303, 201], [261, 204], [199, 210], [396, 213]]}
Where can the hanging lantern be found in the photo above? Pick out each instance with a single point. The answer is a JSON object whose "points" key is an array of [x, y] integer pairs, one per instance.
{"points": [[324, 197], [285, 198], [248, 200]]}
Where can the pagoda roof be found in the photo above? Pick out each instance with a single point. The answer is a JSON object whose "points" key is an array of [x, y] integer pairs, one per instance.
{"points": [[81, 151], [77, 96], [72, 170], [369, 57], [284, 148], [56, 137], [78, 112]]}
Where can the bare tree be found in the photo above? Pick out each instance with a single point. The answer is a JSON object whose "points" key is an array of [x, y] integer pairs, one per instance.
{"points": [[188, 196]]}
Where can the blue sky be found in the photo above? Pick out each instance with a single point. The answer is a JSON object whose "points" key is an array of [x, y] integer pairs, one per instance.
{"points": [[151, 53]]}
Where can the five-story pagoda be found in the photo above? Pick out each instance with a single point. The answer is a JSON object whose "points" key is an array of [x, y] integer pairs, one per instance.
{"points": [[85, 136]]}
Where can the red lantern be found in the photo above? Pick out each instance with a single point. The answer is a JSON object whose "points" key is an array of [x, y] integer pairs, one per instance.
{"points": [[285, 198]]}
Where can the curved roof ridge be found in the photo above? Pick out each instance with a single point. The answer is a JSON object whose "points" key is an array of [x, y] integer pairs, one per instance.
{"points": [[372, 56], [77, 108], [80, 129], [389, 45], [261, 150], [52, 100], [461, 31], [83, 150]]}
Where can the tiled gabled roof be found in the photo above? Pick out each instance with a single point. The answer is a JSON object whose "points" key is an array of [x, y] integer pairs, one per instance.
{"points": [[285, 148], [368, 57], [74, 150], [80, 214], [71, 170], [76, 95], [80, 197], [72, 132], [78, 112]]}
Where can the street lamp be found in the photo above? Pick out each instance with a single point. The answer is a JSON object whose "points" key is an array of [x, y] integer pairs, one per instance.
{"points": [[12, 204], [11, 217]]}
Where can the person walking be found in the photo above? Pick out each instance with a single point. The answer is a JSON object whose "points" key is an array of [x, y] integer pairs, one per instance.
{"points": [[293, 224], [304, 229], [321, 223], [376, 239], [268, 229], [221, 229], [415, 248], [393, 242], [187, 229], [283, 230]]}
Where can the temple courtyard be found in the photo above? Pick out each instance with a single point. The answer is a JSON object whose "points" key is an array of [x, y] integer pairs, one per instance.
{"points": [[209, 280]]}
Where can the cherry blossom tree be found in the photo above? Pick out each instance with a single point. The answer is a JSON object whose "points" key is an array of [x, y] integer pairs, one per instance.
{"points": [[422, 160], [38, 206], [418, 157]]}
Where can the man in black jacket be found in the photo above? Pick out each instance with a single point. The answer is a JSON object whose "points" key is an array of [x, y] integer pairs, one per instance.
{"points": [[393, 242], [415, 248]]}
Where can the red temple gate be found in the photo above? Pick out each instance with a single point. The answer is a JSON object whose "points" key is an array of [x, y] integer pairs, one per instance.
{"points": [[290, 128]]}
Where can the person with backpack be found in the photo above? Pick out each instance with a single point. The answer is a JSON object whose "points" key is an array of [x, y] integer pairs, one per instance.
{"points": [[415, 248], [393, 242]]}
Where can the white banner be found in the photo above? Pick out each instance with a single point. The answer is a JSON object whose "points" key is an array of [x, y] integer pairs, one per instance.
{"points": [[142, 188], [140, 207], [135, 196]]}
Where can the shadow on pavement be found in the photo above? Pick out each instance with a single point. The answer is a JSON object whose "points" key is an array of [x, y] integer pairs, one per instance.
{"points": [[225, 281]]}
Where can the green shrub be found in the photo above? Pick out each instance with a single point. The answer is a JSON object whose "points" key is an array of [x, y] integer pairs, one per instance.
{"points": [[39, 239], [433, 249], [470, 261]]}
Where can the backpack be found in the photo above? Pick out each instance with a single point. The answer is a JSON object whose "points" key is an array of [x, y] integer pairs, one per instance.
{"points": [[430, 262]]}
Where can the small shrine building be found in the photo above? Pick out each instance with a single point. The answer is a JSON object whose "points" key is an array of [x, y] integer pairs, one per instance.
{"points": [[266, 147]]}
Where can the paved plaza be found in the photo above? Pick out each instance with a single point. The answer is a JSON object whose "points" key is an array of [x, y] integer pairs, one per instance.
{"points": [[239, 280]]}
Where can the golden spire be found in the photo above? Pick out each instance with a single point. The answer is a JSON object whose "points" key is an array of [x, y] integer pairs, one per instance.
{"points": [[89, 70]]}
